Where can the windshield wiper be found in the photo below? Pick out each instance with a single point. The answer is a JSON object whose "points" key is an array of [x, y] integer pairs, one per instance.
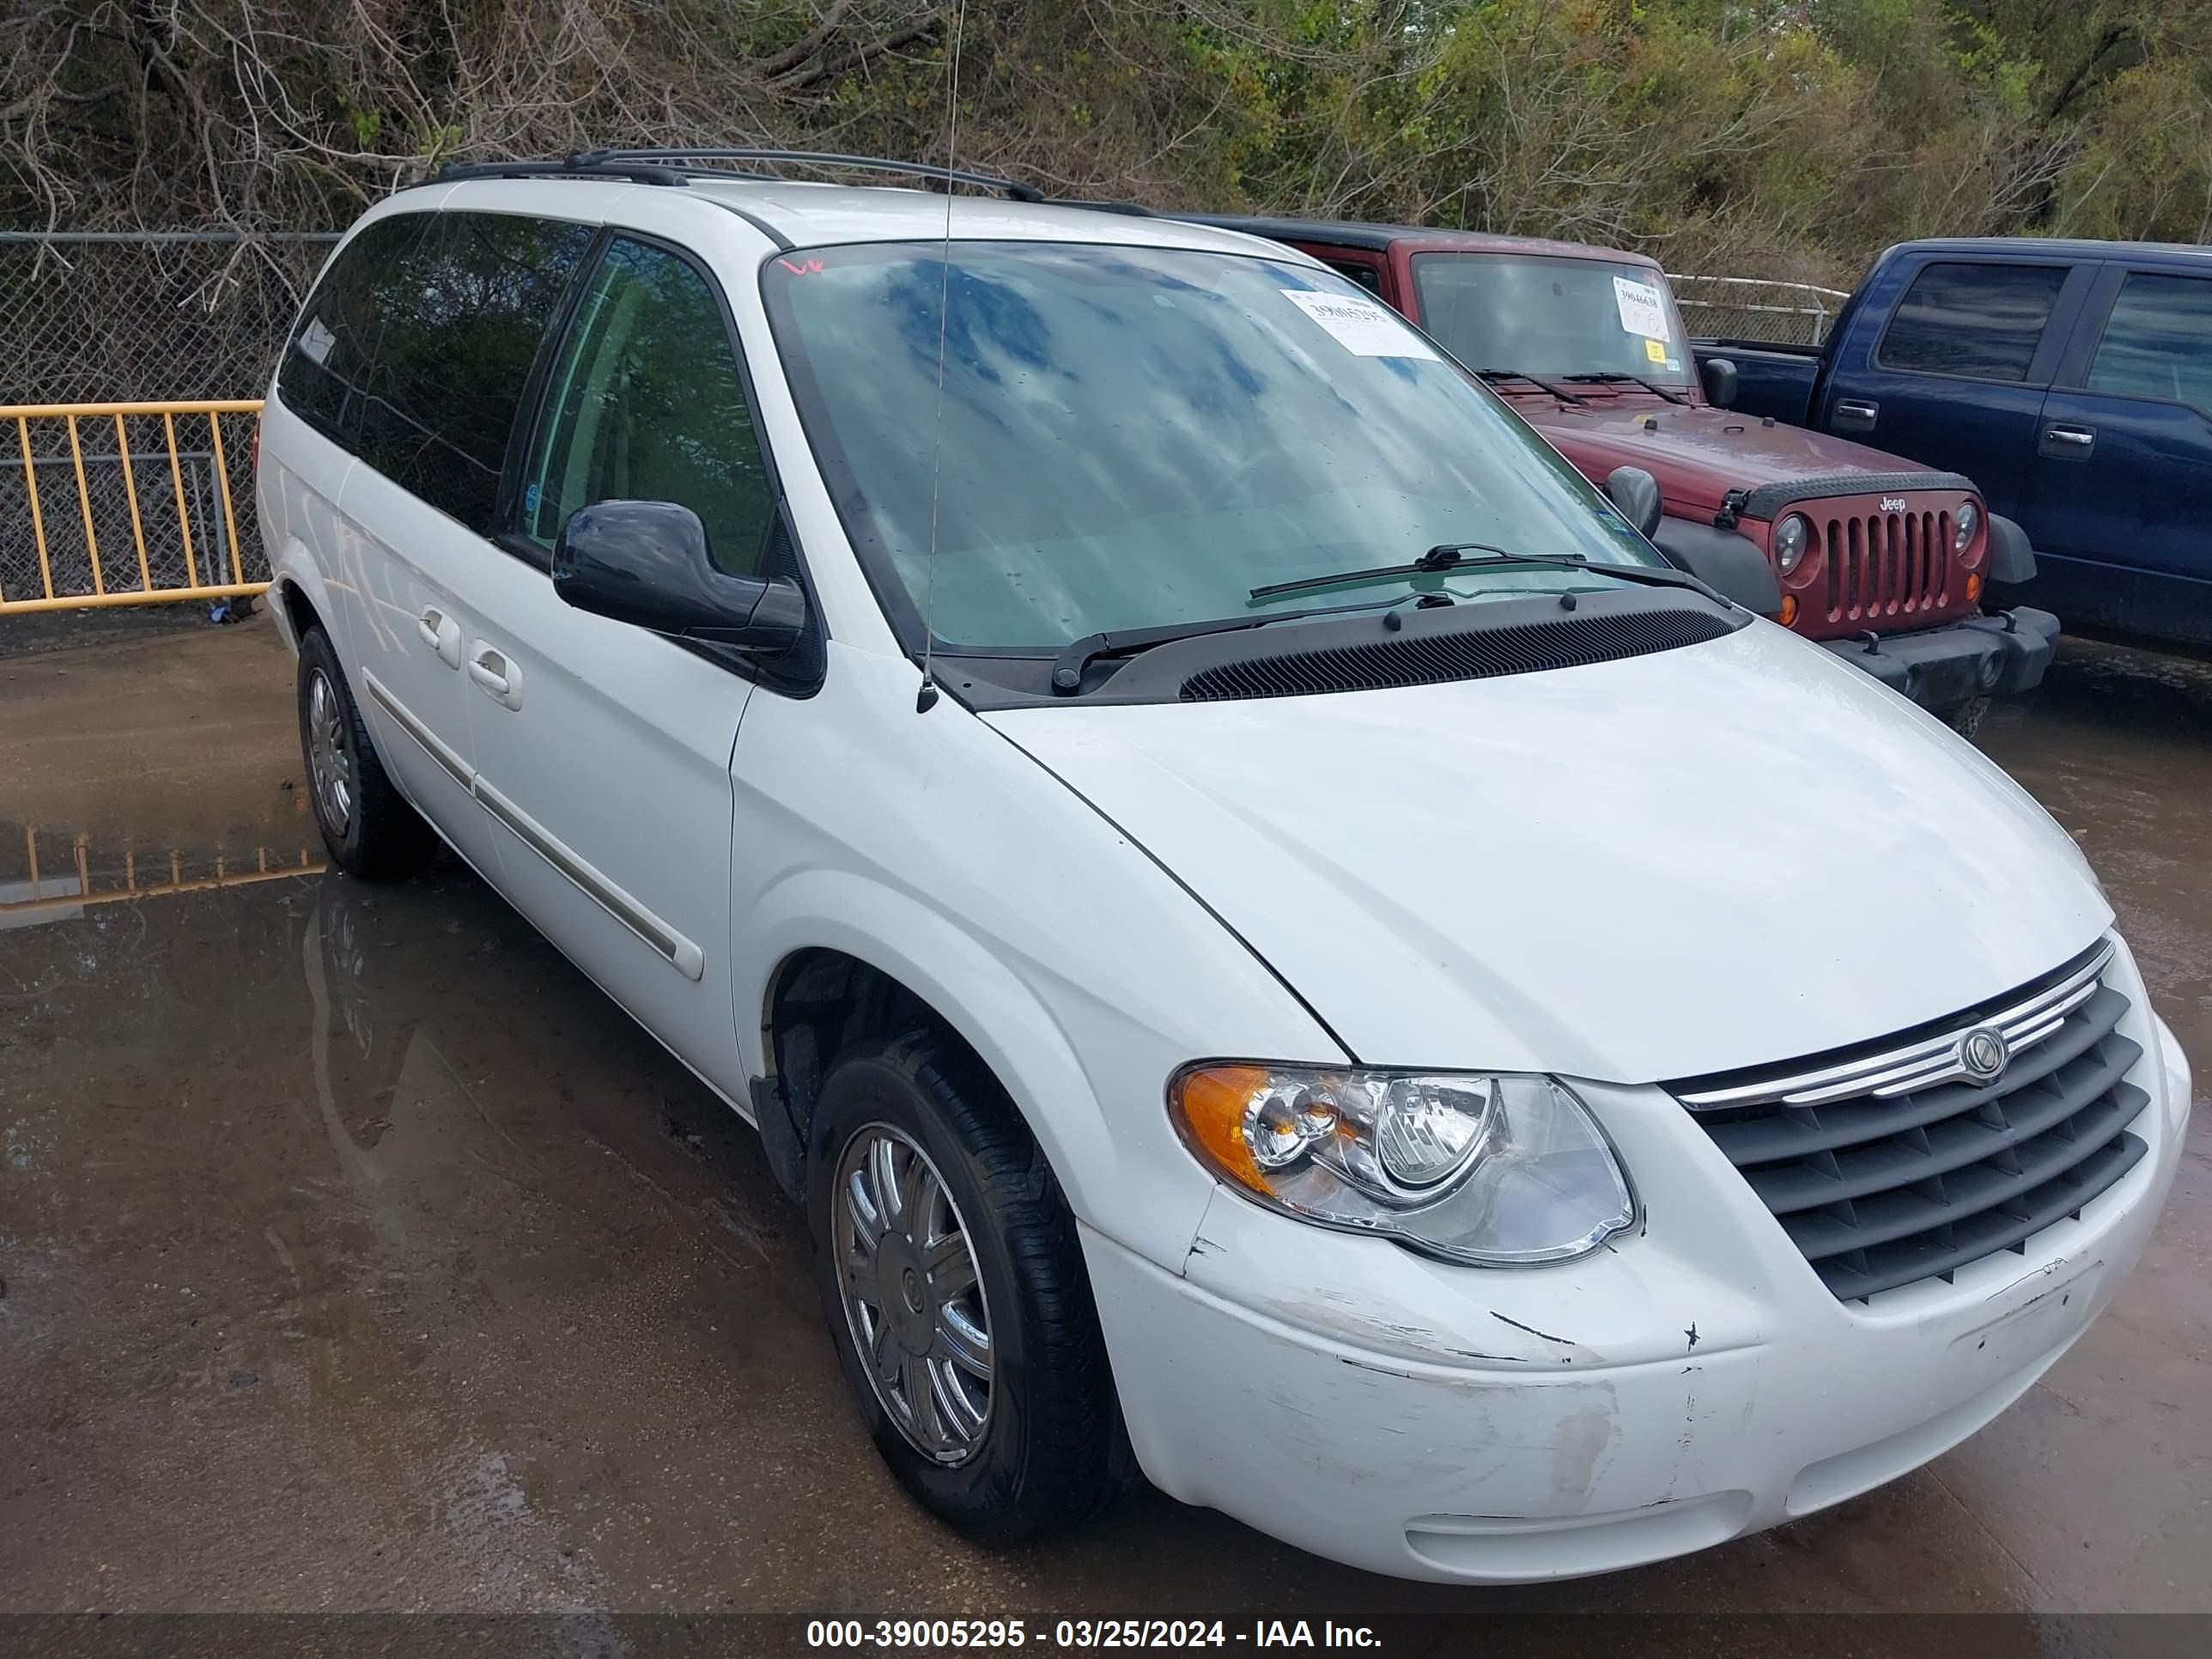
{"points": [[1452, 556], [1078, 654], [1610, 376], [1486, 375]]}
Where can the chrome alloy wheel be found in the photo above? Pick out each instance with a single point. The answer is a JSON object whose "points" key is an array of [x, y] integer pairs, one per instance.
{"points": [[330, 766], [914, 1302]]}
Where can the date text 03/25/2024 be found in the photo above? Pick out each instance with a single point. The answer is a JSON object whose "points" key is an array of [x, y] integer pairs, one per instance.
{"points": [[987, 1633]]}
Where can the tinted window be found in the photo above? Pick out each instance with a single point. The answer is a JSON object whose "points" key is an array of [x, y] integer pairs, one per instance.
{"points": [[1366, 275], [1131, 436], [1978, 320], [325, 368], [465, 310], [1567, 318], [2159, 342], [647, 403]]}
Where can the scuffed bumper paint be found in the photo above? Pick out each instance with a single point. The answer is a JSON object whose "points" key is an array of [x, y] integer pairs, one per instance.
{"points": [[1693, 1385]]}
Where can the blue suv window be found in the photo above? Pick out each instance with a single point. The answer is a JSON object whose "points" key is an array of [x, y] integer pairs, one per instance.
{"points": [[2158, 343], [1978, 321]]}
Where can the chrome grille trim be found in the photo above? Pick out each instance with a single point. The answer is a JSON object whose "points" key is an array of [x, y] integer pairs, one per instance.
{"points": [[1922, 1064], [1894, 1165]]}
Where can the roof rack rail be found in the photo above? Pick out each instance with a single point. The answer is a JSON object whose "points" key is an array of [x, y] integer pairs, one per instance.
{"points": [[571, 166], [673, 158], [1132, 209]]}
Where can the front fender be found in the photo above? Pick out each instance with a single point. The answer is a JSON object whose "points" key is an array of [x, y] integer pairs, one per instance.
{"points": [[1102, 1125], [940, 854], [1723, 560], [2012, 556]]}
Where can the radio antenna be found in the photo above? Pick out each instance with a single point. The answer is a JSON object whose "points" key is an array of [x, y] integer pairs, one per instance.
{"points": [[924, 698]]}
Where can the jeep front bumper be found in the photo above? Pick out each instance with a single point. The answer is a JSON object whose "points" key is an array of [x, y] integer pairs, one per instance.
{"points": [[1991, 656]]}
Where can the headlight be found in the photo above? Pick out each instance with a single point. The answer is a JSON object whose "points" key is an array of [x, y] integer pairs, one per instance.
{"points": [[1790, 538], [1490, 1169], [1969, 520]]}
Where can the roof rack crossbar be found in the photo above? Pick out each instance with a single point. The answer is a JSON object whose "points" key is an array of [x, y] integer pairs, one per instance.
{"points": [[674, 156]]}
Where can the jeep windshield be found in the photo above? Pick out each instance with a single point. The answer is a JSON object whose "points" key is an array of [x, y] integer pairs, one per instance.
{"points": [[1131, 438], [1599, 320]]}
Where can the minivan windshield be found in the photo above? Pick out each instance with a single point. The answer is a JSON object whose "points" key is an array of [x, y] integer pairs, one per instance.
{"points": [[1554, 316], [1131, 438]]}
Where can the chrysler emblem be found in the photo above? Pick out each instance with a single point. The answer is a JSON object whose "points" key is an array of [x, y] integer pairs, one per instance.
{"points": [[1983, 1052]]}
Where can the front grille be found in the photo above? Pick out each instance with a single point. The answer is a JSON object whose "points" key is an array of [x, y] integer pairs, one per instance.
{"points": [[1889, 1163], [1882, 565]]}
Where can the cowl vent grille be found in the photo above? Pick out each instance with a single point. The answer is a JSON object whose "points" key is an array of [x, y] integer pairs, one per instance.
{"points": [[1477, 654]]}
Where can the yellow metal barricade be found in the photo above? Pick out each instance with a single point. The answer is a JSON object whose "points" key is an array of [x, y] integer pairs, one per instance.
{"points": [[110, 504]]}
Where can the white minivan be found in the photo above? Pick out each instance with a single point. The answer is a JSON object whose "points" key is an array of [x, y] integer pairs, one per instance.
{"points": [[1282, 945]]}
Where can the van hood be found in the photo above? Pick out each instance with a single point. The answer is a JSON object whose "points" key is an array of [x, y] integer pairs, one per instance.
{"points": [[1723, 855], [1700, 453]]}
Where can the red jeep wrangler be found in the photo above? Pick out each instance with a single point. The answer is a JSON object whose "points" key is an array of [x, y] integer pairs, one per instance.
{"points": [[1881, 561]]}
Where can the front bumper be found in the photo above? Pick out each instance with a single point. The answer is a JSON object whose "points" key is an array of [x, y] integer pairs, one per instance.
{"points": [[1991, 656], [1686, 1385]]}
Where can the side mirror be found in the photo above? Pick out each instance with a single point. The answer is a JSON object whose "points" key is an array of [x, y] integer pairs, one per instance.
{"points": [[1636, 493], [645, 563], [1718, 375]]}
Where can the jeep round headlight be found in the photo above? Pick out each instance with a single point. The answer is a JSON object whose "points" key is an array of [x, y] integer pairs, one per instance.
{"points": [[1969, 520], [1497, 1170], [1791, 538]]}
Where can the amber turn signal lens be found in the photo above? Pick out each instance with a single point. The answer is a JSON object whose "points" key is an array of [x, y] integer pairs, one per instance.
{"points": [[1788, 609], [1209, 1108], [1973, 587]]}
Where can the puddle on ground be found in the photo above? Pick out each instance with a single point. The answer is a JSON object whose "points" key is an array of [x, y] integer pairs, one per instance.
{"points": [[359, 1254]]}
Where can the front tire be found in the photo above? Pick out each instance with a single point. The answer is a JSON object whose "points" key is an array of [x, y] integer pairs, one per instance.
{"points": [[1966, 719], [954, 1287], [370, 831]]}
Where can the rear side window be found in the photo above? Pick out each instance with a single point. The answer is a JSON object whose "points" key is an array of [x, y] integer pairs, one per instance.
{"points": [[325, 369], [465, 309], [1981, 322], [2158, 343]]}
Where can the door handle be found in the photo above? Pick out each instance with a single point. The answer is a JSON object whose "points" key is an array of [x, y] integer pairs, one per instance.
{"points": [[442, 634], [492, 670], [1857, 413], [2071, 440]]}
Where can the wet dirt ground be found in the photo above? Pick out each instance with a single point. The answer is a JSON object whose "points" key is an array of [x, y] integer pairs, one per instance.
{"points": [[359, 1254]]}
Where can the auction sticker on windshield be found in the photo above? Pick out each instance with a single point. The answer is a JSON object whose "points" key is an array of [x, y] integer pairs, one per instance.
{"points": [[1642, 309], [1360, 326]]}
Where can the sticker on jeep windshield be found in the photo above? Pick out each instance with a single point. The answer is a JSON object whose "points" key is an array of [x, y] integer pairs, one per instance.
{"points": [[1361, 326], [1643, 308]]}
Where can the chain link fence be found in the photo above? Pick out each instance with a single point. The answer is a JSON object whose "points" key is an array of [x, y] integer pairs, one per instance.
{"points": [[125, 317], [1754, 309]]}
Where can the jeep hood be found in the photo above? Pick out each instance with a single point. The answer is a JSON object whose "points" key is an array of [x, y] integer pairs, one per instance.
{"points": [[1699, 454], [1723, 855]]}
